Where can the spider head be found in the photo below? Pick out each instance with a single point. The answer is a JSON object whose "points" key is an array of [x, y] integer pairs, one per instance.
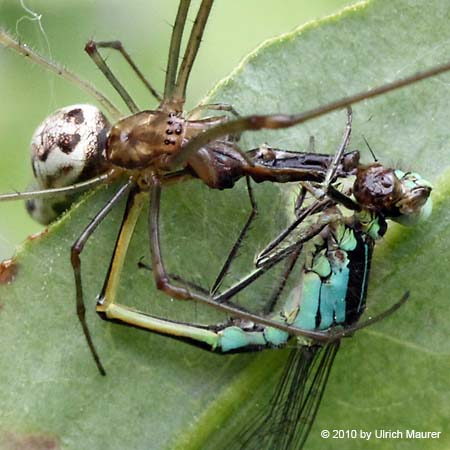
{"points": [[145, 139]]}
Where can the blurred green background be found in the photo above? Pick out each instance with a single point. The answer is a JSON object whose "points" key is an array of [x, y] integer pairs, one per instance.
{"points": [[28, 94]]}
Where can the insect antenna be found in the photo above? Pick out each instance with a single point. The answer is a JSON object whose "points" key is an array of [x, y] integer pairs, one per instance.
{"points": [[370, 149]]}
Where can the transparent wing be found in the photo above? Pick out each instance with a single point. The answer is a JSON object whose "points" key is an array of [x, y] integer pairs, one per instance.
{"points": [[285, 423]]}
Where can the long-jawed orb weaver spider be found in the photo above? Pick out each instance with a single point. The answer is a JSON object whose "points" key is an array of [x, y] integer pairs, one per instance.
{"points": [[149, 147]]}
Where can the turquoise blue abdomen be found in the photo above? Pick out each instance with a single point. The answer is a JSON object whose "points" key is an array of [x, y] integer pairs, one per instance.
{"points": [[332, 292]]}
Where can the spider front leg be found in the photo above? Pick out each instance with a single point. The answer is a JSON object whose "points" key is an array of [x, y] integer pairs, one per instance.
{"points": [[179, 90], [277, 121], [192, 114], [75, 260], [174, 48], [59, 70], [91, 48]]}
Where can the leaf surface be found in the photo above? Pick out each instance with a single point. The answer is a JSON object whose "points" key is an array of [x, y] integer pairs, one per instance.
{"points": [[161, 393]]}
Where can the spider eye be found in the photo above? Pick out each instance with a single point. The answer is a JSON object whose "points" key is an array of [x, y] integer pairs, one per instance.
{"points": [[140, 140]]}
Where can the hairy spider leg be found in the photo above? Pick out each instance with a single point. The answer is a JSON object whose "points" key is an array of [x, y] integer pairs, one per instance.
{"points": [[277, 121], [24, 50]]}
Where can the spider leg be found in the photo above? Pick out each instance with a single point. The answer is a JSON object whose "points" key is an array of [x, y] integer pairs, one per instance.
{"points": [[212, 107], [78, 187], [8, 41], [337, 334], [117, 45], [276, 121], [91, 50], [75, 260], [174, 48], [108, 295], [162, 279], [190, 53], [143, 265]]}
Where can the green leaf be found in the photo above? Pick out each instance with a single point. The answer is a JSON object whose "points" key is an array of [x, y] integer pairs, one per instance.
{"points": [[161, 393]]}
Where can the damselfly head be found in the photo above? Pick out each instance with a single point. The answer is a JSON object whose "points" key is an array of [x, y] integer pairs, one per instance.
{"points": [[390, 192]]}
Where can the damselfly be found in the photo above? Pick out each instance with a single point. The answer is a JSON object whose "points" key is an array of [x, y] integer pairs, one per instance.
{"points": [[326, 303]]}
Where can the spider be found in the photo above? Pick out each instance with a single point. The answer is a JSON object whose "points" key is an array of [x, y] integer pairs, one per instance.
{"points": [[149, 149]]}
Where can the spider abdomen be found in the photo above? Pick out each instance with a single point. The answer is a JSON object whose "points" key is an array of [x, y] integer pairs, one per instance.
{"points": [[67, 147]]}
